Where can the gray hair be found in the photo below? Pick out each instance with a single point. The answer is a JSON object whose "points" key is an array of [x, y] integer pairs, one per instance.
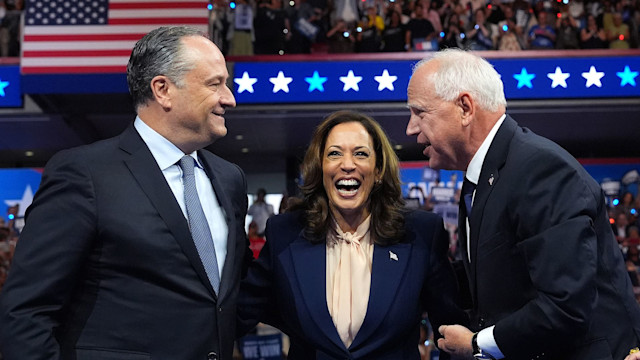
{"points": [[158, 53], [462, 71]]}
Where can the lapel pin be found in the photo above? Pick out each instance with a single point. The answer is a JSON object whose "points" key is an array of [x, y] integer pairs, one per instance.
{"points": [[393, 255], [491, 180]]}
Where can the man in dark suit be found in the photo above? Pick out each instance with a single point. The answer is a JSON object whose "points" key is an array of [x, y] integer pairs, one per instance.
{"points": [[546, 276], [107, 266]]}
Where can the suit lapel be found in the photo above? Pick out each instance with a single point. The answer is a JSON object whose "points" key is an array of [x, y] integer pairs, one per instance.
{"points": [[389, 265], [145, 170], [309, 263], [488, 180], [228, 266]]}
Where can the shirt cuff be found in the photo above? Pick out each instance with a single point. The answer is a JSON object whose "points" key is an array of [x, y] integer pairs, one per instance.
{"points": [[487, 343]]}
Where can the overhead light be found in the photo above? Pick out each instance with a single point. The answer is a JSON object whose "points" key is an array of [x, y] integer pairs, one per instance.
{"points": [[239, 137], [398, 147], [28, 153], [245, 150]]}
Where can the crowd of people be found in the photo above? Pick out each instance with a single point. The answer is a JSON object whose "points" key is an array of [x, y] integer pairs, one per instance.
{"points": [[10, 14], [625, 224], [364, 26], [150, 259]]}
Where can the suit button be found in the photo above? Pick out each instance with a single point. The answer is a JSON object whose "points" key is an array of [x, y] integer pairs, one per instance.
{"points": [[212, 356], [481, 322]]}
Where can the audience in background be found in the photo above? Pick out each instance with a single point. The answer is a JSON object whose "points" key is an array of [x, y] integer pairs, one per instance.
{"points": [[246, 27]]}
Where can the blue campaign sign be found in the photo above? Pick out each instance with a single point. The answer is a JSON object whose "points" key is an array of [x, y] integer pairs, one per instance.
{"points": [[17, 188], [375, 80], [10, 87]]}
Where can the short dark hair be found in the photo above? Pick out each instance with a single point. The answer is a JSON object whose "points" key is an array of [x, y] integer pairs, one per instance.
{"points": [[158, 53], [386, 203]]}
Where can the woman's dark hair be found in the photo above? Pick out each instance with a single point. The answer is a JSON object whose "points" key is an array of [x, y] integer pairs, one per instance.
{"points": [[386, 203]]}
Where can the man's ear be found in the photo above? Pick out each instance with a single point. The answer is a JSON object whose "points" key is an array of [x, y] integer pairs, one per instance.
{"points": [[160, 87], [467, 108]]}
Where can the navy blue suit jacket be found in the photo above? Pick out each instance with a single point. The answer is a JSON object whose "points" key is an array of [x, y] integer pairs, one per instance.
{"points": [[286, 288], [545, 267], [106, 267]]}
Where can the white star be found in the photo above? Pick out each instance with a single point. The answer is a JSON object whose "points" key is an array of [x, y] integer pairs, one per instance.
{"points": [[27, 199], [559, 78], [385, 81], [350, 81], [245, 83], [593, 77], [280, 82]]}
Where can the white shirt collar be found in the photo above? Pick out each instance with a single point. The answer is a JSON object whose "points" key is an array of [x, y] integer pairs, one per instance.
{"points": [[475, 166], [163, 150]]}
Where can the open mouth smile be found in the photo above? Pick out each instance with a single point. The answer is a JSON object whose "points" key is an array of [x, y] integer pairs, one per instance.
{"points": [[348, 187]]}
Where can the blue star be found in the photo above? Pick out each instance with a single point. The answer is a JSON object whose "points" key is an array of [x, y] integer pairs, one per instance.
{"points": [[316, 82], [627, 76], [4, 84], [524, 79]]}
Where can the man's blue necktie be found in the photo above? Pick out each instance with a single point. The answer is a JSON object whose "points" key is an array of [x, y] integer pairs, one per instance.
{"points": [[467, 193], [198, 223]]}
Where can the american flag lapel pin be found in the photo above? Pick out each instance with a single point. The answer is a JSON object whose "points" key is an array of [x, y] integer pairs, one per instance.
{"points": [[393, 256], [491, 180]]}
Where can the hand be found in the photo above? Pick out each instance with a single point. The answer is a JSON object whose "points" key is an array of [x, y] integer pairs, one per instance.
{"points": [[633, 356], [456, 340]]}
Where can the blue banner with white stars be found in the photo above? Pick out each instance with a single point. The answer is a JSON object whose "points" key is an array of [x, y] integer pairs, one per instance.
{"points": [[317, 82], [10, 88], [350, 81]]}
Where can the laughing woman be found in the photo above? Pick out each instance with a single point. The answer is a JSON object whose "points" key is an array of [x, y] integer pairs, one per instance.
{"points": [[348, 273]]}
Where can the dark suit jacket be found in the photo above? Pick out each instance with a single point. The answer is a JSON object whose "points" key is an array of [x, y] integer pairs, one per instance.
{"points": [[106, 268], [545, 267], [286, 288]]}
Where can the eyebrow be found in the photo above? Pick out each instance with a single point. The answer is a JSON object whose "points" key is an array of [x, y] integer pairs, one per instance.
{"points": [[359, 147]]}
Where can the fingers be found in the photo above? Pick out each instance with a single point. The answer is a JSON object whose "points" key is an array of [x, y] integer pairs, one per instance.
{"points": [[441, 329]]}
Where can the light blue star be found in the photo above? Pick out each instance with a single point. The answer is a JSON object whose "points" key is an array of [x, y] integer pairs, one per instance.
{"points": [[524, 78], [627, 76], [316, 82], [4, 84]]}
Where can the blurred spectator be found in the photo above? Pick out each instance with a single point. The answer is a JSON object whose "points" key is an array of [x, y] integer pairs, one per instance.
{"points": [[618, 33], [272, 28], [495, 12], [219, 20], [619, 227], [369, 38], [453, 36], [240, 32], [633, 254], [510, 34], [542, 35], [420, 32], [341, 38], [345, 10], [633, 236], [260, 211], [593, 36], [10, 27], [256, 241], [479, 36], [567, 29], [577, 11], [431, 13], [304, 19], [393, 34]]}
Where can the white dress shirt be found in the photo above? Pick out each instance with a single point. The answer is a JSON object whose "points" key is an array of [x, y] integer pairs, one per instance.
{"points": [[486, 341], [167, 156]]}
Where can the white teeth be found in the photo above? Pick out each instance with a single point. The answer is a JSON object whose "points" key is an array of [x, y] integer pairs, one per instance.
{"points": [[348, 182], [348, 192]]}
